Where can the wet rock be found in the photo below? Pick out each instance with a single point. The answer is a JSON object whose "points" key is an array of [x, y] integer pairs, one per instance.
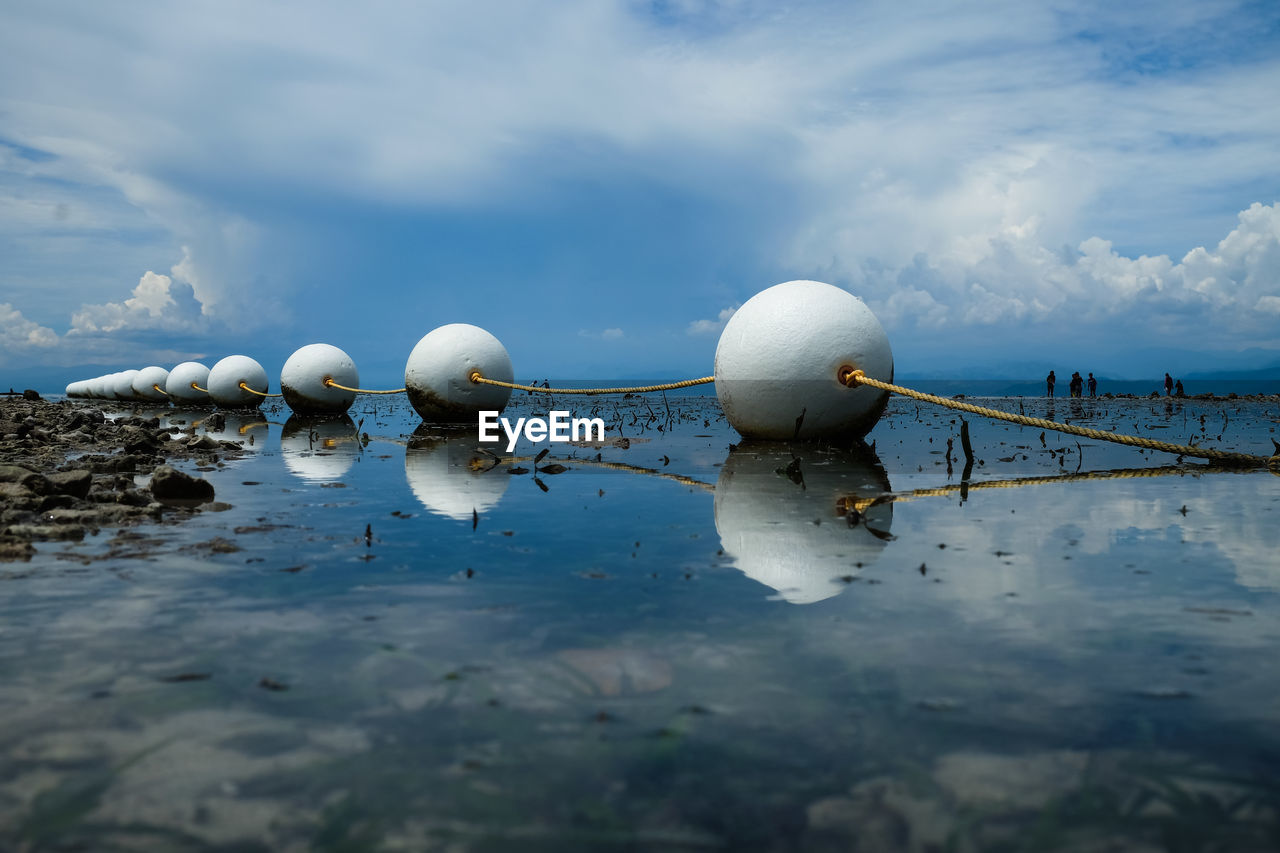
{"points": [[170, 484], [74, 483], [17, 496], [31, 394], [12, 548], [14, 515], [136, 440], [30, 480], [53, 502], [204, 442], [54, 532], [136, 497]]}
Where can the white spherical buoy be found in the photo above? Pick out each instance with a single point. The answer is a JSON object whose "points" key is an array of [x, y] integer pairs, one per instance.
{"points": [[96, 387], [146, 383], [302, 380], [226, 376], [779, 361], [185, 381], [437, 376], [122, 384], [73, 389], [105, 386]]}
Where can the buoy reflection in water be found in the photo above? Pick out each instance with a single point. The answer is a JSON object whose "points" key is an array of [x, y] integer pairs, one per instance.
{"points": [[249, 428], [319, 449], [450, 475], [802, 519]]}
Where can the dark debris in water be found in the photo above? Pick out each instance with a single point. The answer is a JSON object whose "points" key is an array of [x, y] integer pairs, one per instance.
{"points": [[186, 676]]}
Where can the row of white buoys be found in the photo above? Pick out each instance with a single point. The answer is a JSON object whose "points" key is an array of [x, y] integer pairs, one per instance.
{"points": [[779, 370], [187, 383]]}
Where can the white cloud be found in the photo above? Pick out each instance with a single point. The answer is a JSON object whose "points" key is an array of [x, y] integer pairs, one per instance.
{"points": [[18, 334], [1224, 296], [157, 304], [712, 327], [611, 334], [935, 161]]}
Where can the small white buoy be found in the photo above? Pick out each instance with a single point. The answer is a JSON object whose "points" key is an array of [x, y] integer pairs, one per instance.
{"points": [[146, 382], [102, 387], [73, 388], [302, 380], [225, 378], [437, 376], [96, 387], [779, 361], [184, 381], [123, 385]]}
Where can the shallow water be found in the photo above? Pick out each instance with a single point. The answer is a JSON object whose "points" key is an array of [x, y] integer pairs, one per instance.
{"points": [[677, 644]]}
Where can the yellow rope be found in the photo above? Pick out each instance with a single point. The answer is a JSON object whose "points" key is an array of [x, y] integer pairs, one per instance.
{"points": [[637, 469], [329, 383], [853, 378], [259, 393], [156, 386], [638, 389], [198, 388], [861, 504]]}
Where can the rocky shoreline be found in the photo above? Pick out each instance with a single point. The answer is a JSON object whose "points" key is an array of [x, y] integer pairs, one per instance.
{"points": [[67, 470]]}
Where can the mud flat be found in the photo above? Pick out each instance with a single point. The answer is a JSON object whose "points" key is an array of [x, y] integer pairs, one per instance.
{"points": [[67, 470]]}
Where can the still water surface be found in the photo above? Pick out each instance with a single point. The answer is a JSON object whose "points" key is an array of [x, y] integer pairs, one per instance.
{"points": [[683, 643]]}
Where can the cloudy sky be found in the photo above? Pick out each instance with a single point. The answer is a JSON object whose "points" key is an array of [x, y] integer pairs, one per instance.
{"points": [[600, 183]]}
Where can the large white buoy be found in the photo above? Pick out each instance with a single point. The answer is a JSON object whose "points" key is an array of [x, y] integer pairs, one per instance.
{"points": [[437, 376], [147, 380], [302, 380], [779, 360], [802, 520], [184, 383], [225, 378], [451, 476]]}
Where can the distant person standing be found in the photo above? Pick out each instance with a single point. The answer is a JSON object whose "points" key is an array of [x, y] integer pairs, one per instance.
{"points": [[1177, 389], [1168, 385], [1050, 380], [1093, 386], [1077, 385]]}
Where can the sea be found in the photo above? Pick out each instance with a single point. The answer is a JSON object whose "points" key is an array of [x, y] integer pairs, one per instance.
{"points": [[385, 636]]}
